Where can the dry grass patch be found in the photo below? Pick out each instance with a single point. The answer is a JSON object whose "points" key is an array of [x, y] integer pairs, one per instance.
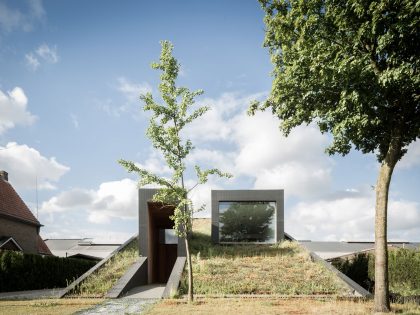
{"points": [[273, 306], [102, 280], [283, 268], [46, 306]]}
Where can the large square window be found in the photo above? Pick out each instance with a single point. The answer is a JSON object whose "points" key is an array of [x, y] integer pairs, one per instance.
{"points": [[247, 221]]}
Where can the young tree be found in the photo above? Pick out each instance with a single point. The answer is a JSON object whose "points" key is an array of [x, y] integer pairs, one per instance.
{"points": [[352, 67], [166, 125]]}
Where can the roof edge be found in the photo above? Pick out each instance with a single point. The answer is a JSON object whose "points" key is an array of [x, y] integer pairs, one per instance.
{"points": [[18, 219]]}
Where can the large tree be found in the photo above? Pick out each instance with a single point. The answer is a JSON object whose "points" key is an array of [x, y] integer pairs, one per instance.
{"points": [[352, 67], [166, 125]]}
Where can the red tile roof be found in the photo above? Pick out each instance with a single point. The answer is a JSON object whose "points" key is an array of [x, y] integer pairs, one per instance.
{"points": [[42, 247], [13, 206]]}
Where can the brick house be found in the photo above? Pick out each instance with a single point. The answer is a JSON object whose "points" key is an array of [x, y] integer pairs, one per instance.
{"points": [[19, 229]]}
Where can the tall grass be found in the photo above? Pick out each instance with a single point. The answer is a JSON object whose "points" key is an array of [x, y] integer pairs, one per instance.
{"points": [[283, 268], [102, 280]]}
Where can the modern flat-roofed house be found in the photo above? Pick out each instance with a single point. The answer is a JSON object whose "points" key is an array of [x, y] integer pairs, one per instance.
{"points": [[19, 229], [84, 248]]}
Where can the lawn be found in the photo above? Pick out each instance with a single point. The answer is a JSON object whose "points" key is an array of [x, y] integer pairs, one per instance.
{"points": [[283, 268], [270, 306], [47, 306], [101, 281]]}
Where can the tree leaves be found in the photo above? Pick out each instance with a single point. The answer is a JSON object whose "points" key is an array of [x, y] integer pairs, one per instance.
{"points": [[350, 66], [165, 127]]}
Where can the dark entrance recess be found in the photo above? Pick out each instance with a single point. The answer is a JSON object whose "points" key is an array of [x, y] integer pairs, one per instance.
{"points": [[162, 242]]}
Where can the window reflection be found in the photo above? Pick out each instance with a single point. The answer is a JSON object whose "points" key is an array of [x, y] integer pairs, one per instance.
{"points": [[247, 221], [167, 236]]}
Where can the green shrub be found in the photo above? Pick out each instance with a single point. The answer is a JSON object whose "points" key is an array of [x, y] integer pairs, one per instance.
{"points": [[404, 271], [20, 271], [403, 268], [356, 269]]}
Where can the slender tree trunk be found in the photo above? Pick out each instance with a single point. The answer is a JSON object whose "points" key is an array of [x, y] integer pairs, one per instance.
{"points": [[381, 247], [190, 273]]}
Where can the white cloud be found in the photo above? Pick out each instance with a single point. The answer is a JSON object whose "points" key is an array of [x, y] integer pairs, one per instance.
{"points": [[207, 158], [215, 125], [26, 165], [253, 148], [32, 61], [201, 196], [411, 158], [43, 54], [131, 90], [115, 199], [74, 121], [68, 200], [47, 53], [350, 217], [12, 19], [13, 109], [155, 164], [296, 163], [257, 148]]}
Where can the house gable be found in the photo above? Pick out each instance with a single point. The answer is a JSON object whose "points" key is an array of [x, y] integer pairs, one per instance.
{"points": [[8, 243]]}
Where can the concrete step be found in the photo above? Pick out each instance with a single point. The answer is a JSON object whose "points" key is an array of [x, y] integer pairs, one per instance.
{"points": [[150, 291]]}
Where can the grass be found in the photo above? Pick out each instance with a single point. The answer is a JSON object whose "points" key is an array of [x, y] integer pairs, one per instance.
{"points": [[270, 306], [102, 280], [47, 306], [283, 268]]}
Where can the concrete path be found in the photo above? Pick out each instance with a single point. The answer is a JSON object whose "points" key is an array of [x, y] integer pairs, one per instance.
{"points": [[135, 301], [151, 291], [31, 295], [119, 307]]}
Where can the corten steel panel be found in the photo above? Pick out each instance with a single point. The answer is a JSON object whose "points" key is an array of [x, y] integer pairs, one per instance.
{"points": [[276, 195], [145, 195]]}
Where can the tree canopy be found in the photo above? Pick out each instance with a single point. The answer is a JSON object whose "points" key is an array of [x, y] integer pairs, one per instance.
{"points": [[352, 67]]}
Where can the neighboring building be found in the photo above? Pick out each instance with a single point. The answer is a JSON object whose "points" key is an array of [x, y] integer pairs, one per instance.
{"points": [[80, 248], [19, 229], [335, 250]]}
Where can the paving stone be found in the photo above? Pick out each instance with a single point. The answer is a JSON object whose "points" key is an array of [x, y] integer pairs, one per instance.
{"points": [[119, 306]]}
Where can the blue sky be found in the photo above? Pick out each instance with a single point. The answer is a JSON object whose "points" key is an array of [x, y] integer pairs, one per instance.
{"points": [[71, 73]]}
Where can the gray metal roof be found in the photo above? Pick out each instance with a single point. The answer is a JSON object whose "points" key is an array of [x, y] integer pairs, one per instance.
{"points": [[72, 247], [330, 250]]}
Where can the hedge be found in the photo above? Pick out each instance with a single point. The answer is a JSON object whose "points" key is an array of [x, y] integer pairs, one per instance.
{"points": [[357, 270], [403, 270], [20, 271]]}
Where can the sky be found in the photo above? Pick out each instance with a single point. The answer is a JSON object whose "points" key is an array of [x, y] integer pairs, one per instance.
{"points": [[71, 73]]}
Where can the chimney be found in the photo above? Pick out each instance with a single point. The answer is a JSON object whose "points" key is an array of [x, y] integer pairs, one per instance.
{"points": [[4, 176]]}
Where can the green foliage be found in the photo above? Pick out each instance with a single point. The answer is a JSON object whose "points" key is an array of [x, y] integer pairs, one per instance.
{"points": [[247, 222], [352, 67], [165, 127], [404, 270], [356, 269], [20, 271]]}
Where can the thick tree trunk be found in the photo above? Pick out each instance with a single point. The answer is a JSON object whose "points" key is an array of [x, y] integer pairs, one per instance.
{"points": [[190, 273], [381, 247]]}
